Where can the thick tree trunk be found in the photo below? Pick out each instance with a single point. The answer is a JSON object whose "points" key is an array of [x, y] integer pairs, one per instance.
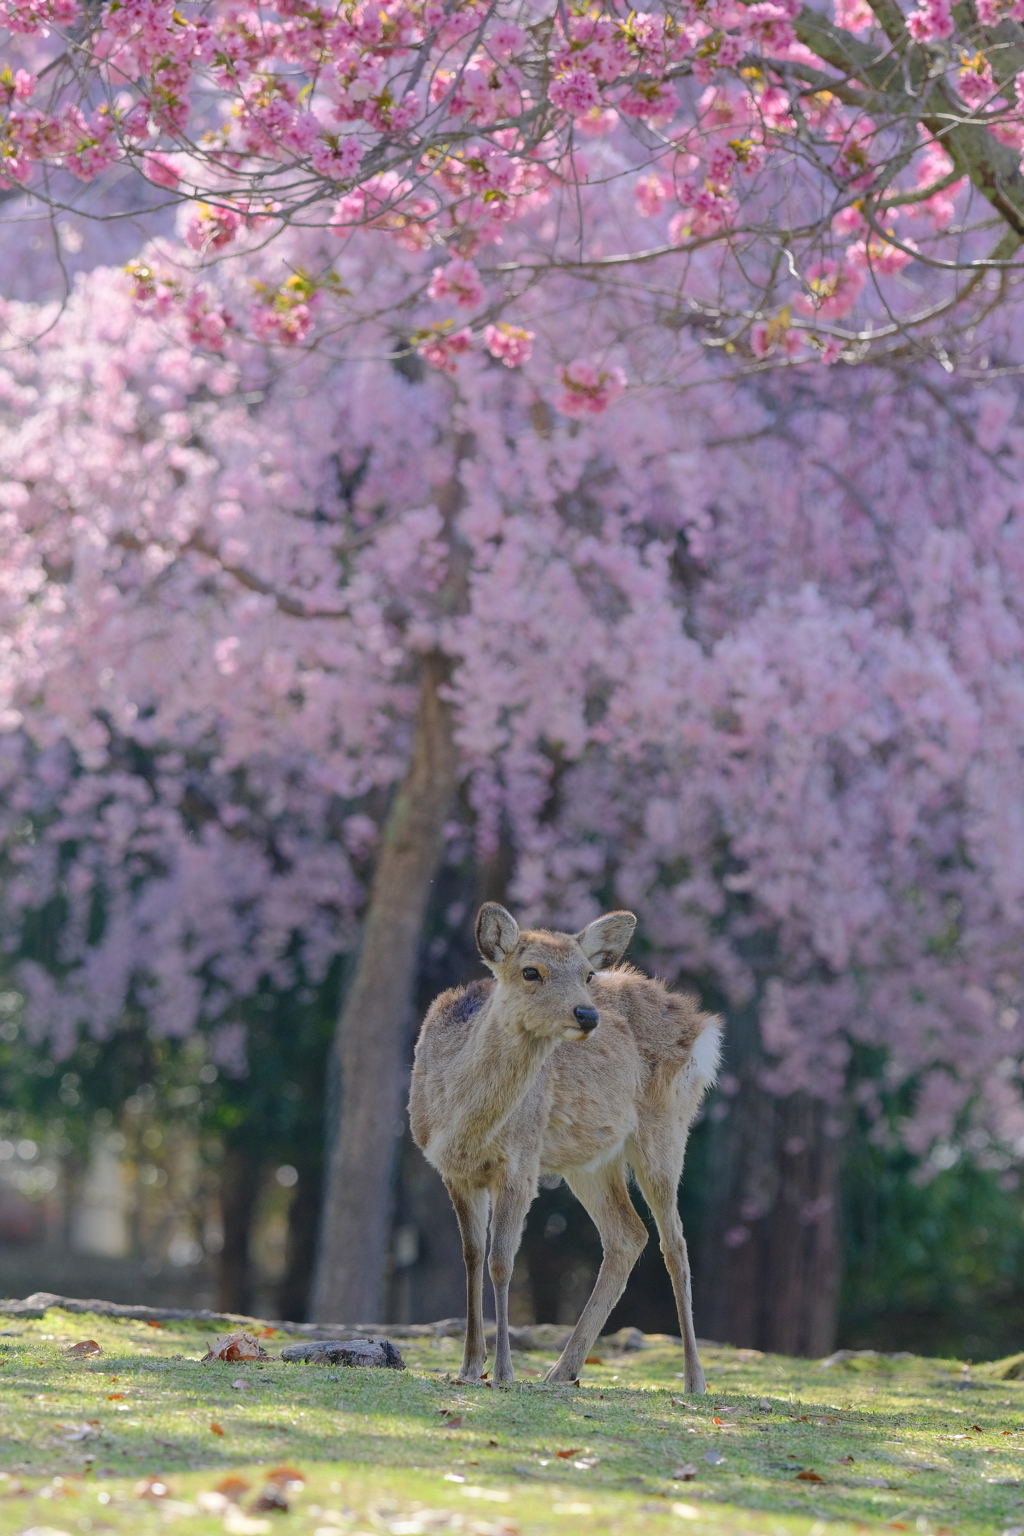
{"points": [[351, 1270], [770, 1258], [239, 1188]]}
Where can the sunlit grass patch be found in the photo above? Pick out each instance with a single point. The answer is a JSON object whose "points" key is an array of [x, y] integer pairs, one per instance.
{"points": [[142, 1435]]}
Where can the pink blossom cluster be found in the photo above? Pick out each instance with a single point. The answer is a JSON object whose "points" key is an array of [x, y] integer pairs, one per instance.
{"points": [[454, 131], [931, 21], [587, 388]]}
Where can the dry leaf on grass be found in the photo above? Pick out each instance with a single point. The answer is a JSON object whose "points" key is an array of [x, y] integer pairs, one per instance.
{"points": [[809, 1476], [568, 1455], [232, 1486], [216, 1428], [84, 1347], [239, 1345], [288, 1477], [593, 1360]]}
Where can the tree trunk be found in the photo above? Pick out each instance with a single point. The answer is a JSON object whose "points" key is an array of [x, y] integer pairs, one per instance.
{"points": [[239, 1188], [770, 1259], [350, 1277]]}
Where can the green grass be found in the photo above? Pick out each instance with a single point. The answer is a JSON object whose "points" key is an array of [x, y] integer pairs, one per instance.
{"points": [[390, 1453]]}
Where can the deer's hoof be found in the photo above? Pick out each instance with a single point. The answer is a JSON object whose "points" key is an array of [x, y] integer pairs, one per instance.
{"points": [[559, 1372]]}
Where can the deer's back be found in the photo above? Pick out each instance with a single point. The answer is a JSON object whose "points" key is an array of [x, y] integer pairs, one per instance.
{"points": [[665, 1025], [443, 1035]]}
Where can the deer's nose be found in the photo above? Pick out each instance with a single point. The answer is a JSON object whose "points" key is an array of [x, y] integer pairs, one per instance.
{"points": [[586, 1018]]}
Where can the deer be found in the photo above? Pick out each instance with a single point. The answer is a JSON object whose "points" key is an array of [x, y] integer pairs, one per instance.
{"points": [[564, 1063]]}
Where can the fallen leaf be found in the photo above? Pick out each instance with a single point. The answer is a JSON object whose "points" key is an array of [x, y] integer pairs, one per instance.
{"points": [[718, 1421], [84, 1347], [289, 1477], [685, 1473], [593, 1360], [232, 1486], [978, 1428], [846, 1461], [810, 1476], [492, 1442], [568, 1455], [239, 1345], [151, 1488], [215, 1427], [720, 1409], [151, 1323], [453, 1422], [115, 1397], [897, 1525]]}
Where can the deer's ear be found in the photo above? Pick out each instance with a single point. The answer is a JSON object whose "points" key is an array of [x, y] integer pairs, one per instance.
{"points": [[604, 940], [497, 933]]}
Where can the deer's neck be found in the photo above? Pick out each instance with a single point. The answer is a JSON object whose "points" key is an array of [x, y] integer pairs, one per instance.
{"points": [[499, 1066]]}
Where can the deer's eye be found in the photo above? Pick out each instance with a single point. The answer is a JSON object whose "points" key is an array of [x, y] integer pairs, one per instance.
{"points": [[531, 973], [590, 977]]}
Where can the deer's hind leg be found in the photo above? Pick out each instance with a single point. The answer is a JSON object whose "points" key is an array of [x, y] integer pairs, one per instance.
{"points": [[471, 1209], [658, 1166], [605, 1196]]}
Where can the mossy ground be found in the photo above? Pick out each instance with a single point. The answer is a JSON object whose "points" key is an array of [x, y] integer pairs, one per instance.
{"points": [[921, 1445]]}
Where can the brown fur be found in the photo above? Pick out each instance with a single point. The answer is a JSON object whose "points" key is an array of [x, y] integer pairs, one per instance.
{"points": [[507, 1088]]}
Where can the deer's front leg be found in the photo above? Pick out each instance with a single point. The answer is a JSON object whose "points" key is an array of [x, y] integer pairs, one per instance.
{"points": [[510, 1207], [471, 1209]]}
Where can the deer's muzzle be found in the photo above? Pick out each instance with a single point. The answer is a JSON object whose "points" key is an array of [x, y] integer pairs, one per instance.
{"points": [[586, 1018]]}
